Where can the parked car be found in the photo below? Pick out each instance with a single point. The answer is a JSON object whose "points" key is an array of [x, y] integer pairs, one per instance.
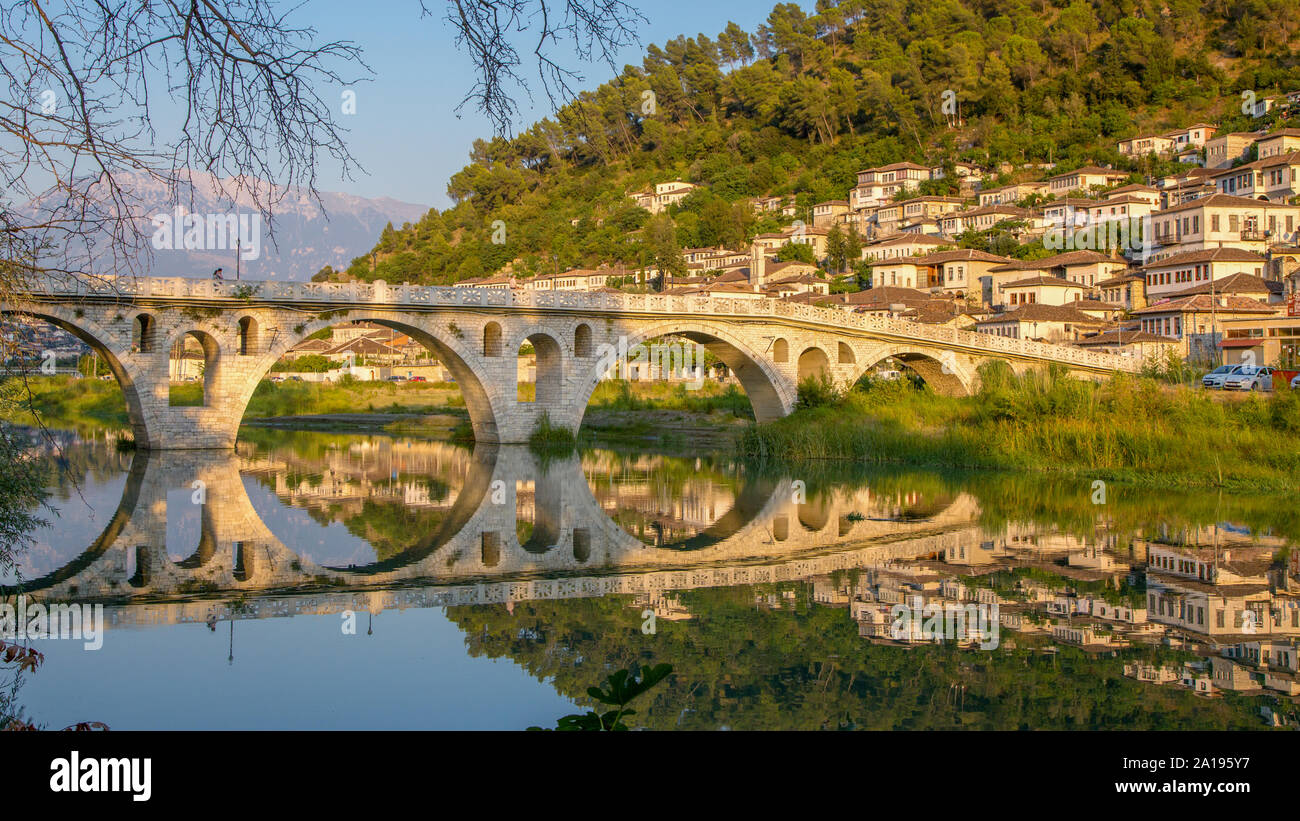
{"points": [[397, 379], [419, 379], [1295, 382], [1214, 379], [1248, 378]]}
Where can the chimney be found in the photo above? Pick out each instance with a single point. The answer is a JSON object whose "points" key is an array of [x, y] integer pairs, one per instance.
{"points": [[757, 266]]}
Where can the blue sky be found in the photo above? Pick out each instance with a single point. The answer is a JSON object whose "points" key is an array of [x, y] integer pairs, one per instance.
{"points": [[406, 133]]}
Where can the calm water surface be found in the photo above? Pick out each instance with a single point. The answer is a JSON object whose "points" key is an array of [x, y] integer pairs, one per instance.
{"points": [[315, 580]]}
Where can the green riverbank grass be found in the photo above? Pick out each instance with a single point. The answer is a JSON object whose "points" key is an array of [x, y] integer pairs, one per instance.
{"points": [[1127, 429]]}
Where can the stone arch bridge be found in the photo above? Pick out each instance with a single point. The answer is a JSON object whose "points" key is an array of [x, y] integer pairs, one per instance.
{"points": [[245, 327]]}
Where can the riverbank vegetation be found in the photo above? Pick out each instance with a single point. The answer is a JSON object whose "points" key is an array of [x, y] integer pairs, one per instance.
{"points": [[1127, 429], [65, 402]]}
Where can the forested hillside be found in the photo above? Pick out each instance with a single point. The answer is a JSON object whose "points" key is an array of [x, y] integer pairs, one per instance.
{"points": [[805, 101]]}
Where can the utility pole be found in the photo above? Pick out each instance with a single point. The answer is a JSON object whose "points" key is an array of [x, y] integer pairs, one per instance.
{"points": [[1214, 354]]}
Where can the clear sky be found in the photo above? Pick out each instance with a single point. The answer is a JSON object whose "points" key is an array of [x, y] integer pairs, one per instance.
{"points": [[406, 133]]}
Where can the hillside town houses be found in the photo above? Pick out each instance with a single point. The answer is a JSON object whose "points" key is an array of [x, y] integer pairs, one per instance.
{"points": [[1202, 264]]}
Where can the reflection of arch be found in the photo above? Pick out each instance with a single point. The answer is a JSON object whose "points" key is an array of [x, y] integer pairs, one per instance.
{"points": [[107, 539], [814, 515], [752, 499], [582, 341], [813, 363], [846, 356], [490, 548], [492, 339], [245, 566], [581, 544], [546, 516], [468, 502], [769, 393], [780, 351], [248, 336], [207, 541], [549, 380], [143, 568]]}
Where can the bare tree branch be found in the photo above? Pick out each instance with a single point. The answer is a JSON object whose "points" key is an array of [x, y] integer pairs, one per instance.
{"points": [[487, 29]]}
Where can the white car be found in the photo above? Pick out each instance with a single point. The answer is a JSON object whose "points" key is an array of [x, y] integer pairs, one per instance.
{"points": [[1247, 378], [1214, 379], [1295, 382]]}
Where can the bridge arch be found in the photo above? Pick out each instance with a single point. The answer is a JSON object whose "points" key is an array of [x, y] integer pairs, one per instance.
{"points": [[943, 371], [813, 363], [212, 359], [143, 329], [249, 331], [771, 394], [582, 341], [450, 348], [548, 377], [492, 339], [96, 336], [780, 351]]}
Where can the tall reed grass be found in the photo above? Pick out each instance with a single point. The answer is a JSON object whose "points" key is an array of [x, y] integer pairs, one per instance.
{"points": [[1132, 429]]}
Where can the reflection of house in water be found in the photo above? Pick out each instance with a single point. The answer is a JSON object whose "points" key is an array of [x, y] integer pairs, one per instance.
{"points": [[415, 474], [1087, 636], [971, 554], [664, 607], [1225, 610], [1093, 557], [1240, 564], [654, 509], [1024, 540], [932, 620]]}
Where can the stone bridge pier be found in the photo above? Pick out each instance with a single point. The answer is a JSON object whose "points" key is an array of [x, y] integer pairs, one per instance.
{"points": [[243, 329]]}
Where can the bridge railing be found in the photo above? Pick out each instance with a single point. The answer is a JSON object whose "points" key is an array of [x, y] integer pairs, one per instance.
{"points": [[380, 292]]}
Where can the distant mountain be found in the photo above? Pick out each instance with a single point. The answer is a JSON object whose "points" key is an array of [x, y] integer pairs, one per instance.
{"points": [[305, 238]]}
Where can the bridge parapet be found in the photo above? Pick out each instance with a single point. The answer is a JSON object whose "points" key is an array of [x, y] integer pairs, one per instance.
{"points": [[380, 293]]}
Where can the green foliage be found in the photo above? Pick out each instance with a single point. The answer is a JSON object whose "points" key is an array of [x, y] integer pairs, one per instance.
{"points": [[549, 438], [1170, 367], [1133, 430], [816, 391], [308, 363], [796, 251], [621, 395], [622, 687], [809, 99]]}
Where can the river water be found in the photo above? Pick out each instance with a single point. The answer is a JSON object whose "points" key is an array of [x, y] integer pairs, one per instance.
{"points": [[322, 580]]}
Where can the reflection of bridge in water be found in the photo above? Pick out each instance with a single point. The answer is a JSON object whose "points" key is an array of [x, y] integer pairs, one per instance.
{"points": [[476, 554]]}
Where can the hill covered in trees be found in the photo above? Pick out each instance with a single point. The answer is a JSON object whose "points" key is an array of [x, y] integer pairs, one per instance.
{"points": [[799, 105]]}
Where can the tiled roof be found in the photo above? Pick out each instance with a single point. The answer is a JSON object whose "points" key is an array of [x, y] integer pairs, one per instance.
{"points": [[1239, 283], [1209, 255]]}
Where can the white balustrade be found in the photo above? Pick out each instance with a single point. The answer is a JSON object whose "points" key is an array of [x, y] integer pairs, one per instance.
{"points": [[380, 292]]}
